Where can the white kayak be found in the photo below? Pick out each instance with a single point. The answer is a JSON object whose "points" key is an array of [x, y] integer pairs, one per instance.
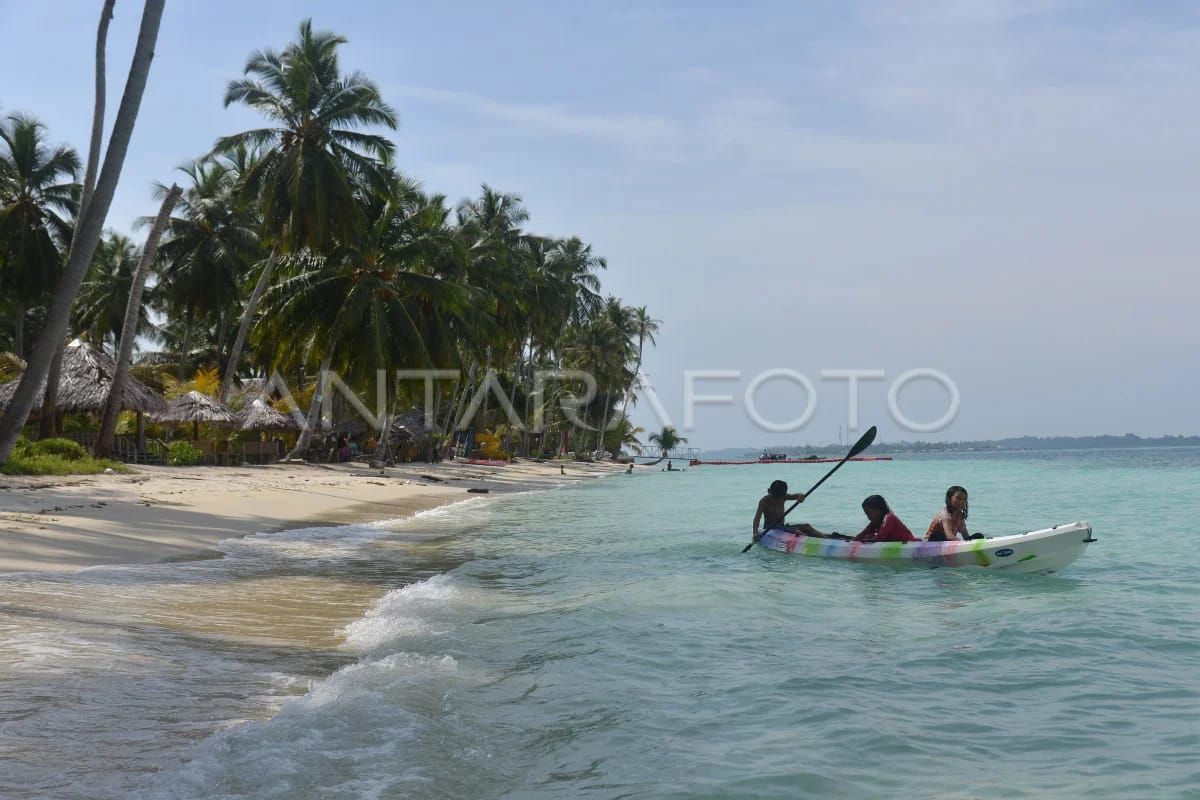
{"points": [[1042, 552]]}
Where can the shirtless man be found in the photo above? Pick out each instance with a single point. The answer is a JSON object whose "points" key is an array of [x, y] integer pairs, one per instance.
{"points": [[771, 511]]}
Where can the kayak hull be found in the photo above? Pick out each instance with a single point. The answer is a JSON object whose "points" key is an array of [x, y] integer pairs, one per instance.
{"points": [[1036, 552]]}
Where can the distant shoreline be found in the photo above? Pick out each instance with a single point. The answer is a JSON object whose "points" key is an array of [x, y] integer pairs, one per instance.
{"points": [[1022, 444]]}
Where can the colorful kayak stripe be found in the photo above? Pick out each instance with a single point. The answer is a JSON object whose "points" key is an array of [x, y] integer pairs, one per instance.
{"points": [[1047, 550]]}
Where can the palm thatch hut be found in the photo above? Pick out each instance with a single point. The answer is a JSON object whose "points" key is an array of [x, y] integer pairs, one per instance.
{"points": [[197, 407], [87, 376], [84, 384], [261, 416]]}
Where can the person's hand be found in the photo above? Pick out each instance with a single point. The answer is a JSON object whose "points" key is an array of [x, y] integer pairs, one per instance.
{"points": [[800, 498]]}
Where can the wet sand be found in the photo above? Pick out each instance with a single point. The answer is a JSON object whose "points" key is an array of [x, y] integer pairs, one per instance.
{"points": [[155, 514]]}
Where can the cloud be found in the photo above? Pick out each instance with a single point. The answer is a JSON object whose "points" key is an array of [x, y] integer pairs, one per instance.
{"points": [[630, 129]]}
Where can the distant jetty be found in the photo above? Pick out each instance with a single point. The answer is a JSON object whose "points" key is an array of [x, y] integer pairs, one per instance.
{"points": [[696, 462]]}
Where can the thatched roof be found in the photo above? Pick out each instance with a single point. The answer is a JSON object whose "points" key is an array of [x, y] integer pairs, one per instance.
{"points": [[86, 379], [260, 416], [197, 407], [409, 424]]}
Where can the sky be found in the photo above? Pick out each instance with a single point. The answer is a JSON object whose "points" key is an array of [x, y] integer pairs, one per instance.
{"points": [[1002, 191]]}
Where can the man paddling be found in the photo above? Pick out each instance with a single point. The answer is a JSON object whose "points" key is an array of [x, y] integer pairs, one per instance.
{"points": [[771, 511]]}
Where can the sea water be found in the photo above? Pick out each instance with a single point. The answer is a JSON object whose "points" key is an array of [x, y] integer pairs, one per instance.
{"points": [[610, 640]]}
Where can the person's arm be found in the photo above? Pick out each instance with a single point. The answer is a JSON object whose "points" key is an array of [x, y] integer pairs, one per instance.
{"points": [[758, 512], [862, 537], [948, 528], [797, 496]]}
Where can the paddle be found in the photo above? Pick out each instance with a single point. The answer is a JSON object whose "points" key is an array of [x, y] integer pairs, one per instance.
{"points": [[859, 446]]}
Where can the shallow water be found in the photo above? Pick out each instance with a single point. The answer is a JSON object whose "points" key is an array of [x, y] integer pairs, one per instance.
{"points": [[610, 641]]}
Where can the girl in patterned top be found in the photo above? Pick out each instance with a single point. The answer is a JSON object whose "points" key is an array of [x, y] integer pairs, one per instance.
{"points": [[950, 524]]}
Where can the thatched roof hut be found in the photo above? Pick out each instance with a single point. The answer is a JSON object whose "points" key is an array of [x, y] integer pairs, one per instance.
{"points": [[197, 407], [260, 416], [409, 424], [87, 376]]}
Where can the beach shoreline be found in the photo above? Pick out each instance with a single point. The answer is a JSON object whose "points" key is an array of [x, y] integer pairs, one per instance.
{"points": [[164, 514]]}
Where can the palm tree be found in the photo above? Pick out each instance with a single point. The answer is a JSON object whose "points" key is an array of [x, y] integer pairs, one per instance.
{"points": [[314, 160], [372, 296], [645, 326], [667, 440], [89, 225], [618, 321], [490, 228], [100, 307], [134, 311], [38, 196], [213, 243]]}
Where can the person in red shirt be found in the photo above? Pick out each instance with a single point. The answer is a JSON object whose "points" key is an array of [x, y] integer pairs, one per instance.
{"points": [[884, 526]]}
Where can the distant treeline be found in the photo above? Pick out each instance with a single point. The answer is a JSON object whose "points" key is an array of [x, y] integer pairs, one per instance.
{"points": [[1017, 443]]}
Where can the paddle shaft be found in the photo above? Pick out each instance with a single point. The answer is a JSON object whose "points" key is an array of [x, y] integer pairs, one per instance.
{"points": [[862, 444]]}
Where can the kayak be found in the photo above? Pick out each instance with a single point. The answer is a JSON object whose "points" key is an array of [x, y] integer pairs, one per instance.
{"points": [[1040, 552]]}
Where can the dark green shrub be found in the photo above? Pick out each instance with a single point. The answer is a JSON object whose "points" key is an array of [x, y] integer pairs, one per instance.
{"points": [[62, 448], [182, 454]]}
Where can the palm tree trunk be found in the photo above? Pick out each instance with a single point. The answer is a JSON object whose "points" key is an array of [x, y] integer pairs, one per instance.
{"points": [[46, 425], [314, 407], [235, 354], [19, 324], [189, 322], [93, 162], [528, 398], [89, 226], [133, 311], [637, 373], [222, 327], [48, 416], [604, 419], [451, 427]]}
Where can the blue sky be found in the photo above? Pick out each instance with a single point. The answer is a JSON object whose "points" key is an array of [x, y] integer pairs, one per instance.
{"points": [[1002, 191]]}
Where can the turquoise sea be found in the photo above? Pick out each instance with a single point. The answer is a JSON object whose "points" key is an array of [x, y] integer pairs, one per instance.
{"points": [[610, 641]]}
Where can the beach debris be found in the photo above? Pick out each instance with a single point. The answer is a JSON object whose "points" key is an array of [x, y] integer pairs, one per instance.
{"points": [[476, 490]]}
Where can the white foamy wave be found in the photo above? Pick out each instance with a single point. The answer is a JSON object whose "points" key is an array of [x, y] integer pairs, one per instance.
{"points": [[348, 735], [401, 613], [304, 544], [374, 678]]}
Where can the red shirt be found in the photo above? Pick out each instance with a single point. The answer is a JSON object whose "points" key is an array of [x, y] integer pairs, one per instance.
{"points": [[891, 530]]}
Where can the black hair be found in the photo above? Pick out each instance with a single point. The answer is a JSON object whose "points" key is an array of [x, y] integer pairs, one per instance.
{"points": [[876, 501], [777, 489], [950, 493]]}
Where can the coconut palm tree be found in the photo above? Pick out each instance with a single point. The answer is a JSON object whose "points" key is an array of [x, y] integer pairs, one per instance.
{"points": [[370, 296], [645, 327], [100, 307], [134, 311], [91, 220], [314, 159], [38, 198], [213, 244], [618, 321], [667, 440]]}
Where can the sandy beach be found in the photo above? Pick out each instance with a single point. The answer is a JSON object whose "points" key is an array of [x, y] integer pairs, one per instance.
{"points": [[153, 514]]}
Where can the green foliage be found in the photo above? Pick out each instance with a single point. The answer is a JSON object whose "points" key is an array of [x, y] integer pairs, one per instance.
{"points": [[37, 199], [62, 448], [182, 454], [26, 462]]}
